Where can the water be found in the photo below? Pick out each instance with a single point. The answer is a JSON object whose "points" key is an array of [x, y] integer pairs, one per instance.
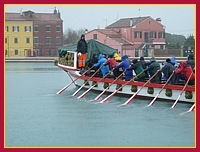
{"points": [[36, 116]]}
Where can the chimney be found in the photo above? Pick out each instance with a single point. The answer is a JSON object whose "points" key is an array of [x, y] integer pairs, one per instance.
{"points": [[21, 12], [159, 20], [131, 22], [58, 13], [55, 11]]}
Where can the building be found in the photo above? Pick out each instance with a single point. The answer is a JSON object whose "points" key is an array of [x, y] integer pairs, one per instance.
{"points": [[132, 36], [18, 35], [33, 34]]}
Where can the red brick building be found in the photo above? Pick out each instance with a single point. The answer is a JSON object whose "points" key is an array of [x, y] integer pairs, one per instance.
{"points": [[48, 33], [132, 36]]}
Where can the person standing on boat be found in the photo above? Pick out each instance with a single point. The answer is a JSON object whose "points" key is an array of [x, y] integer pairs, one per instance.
{"points": [[168, 70], [101, 61], [124, 65], [152, 69], [137, 67], [82, 51], [184, 72]]}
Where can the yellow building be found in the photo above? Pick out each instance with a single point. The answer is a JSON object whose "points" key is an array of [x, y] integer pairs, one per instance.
{"points": [[18, 35]]}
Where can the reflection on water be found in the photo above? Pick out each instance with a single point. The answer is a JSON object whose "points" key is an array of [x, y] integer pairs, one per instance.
{"points": [[30, 66], [32, 69]]}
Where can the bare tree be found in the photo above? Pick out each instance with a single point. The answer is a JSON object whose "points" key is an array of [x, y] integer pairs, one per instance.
{"points": [[71, 36]]}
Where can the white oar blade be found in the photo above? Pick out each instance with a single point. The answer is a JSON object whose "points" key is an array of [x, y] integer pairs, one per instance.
{"points": [[63, 89], [175, 102], [86, 92], [75, 93], [191, 109], [152, 102], [100, 95]]}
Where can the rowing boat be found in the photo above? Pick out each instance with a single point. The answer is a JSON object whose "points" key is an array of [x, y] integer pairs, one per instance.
{"points": [[67, 61]]}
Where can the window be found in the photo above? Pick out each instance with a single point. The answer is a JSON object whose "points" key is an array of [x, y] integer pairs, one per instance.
{"points": [[95, 36], [27, 39], [58, 28], [49, 52], [47, 28], [16, 40], [137, 34], [6, 52], [36, 40], [7, 29], [58, 40], [48, 40], [27, 28], [6, 40], [152, 34], [161, 34], [15, 28], [16, 52], [36, 28]]}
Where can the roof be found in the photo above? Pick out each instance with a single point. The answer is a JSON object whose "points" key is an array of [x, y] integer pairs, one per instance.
{"points": [[114, 35], [122, 41], [16, 17], [35, 17], [109, 33], [127, 22]]}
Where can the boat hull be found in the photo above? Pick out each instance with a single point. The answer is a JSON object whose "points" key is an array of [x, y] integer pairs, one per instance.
{"points": [[149, 91]]}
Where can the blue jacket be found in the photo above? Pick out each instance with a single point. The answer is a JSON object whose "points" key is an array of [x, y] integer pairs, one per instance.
{"points": [[101, 61], [124, 65]]}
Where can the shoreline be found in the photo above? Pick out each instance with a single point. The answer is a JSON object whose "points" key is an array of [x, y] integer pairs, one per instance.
{"points": [[30, 59], [51, 59]]}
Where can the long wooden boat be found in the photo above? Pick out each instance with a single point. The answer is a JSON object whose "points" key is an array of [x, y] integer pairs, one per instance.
{"points": [[161, 91], [169, 93]]}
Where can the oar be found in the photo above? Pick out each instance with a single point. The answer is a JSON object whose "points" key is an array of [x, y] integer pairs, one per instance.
{"points": [[70, 77], [75, 93], [181, 92], [192, 108], [86, 92], [112, 94], [63, 89], [100, 95], [133, 96], [152, 102]]}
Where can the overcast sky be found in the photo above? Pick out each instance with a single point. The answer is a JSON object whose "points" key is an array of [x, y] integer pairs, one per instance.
{"points": [[178, 19]]}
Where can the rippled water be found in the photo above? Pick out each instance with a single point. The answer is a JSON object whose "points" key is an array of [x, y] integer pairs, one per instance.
{"points": [[36, 116]]}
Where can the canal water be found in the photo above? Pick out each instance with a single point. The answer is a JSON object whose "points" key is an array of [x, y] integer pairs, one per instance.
{"points": [[36, 116]]}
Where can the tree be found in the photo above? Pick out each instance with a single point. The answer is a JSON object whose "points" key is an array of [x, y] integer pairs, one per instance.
{"points": [[71, 36], [174, 41], [189, 45]]}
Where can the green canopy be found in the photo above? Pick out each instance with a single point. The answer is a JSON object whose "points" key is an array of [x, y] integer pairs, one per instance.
{"points": [[94, 47]]}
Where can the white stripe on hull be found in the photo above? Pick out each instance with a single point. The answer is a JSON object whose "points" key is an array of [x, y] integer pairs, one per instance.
{"points": [[127, 91]]}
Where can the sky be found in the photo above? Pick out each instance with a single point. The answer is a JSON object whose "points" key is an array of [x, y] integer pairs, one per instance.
{"points": [[178, 19]]}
